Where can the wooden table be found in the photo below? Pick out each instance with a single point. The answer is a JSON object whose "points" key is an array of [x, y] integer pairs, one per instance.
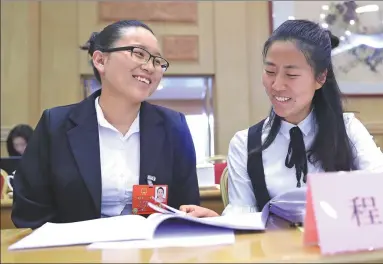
{"points": [[210, 198], [274, 246]]}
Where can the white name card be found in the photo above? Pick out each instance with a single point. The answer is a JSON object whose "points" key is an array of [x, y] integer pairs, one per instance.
{"points": [[205, 174], [344, 212]]}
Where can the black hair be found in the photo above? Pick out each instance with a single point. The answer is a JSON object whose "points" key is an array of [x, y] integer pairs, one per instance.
{"points": [[334, 40], [160, 188], [331, 147], [23, 131], [107, 37]]}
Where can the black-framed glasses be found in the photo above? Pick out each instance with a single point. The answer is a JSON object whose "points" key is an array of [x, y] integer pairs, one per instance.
{"points": [[143, 56]]}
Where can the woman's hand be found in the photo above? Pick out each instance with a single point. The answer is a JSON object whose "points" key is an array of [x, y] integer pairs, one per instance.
{"points": [[197, 211]]}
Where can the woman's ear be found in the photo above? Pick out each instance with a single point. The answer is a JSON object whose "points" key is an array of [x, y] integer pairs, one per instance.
{"points": [[321, 80], [98, 61]]}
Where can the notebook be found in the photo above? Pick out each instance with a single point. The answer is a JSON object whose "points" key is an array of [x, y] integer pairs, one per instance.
{"points": [[135, 227]]}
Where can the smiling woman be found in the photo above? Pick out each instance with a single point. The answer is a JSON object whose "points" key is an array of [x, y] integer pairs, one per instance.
{"points": [[127, 46], [84, 159], [306, 131]]}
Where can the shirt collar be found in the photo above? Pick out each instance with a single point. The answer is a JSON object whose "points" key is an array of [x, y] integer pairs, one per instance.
{"points": [[306, 126], [134, 128]]}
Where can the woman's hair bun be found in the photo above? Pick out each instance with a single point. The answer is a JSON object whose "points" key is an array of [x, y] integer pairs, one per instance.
{"points": [[90, 44], [334, 40]]}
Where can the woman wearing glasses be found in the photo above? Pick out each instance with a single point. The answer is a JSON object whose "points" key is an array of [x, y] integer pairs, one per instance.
{"points": [[84, 159]]}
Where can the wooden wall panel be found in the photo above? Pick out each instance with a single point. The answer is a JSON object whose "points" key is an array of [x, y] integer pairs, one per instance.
{"points": [[258, 32], [19, 66], [369, 112], [369, 109], [160, 11], [60, 79], [239, 98], [88, 18], [19, 63], [181, 48]]}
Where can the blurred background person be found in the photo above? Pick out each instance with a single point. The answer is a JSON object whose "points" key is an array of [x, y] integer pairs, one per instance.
{"points": [[18, 139]]}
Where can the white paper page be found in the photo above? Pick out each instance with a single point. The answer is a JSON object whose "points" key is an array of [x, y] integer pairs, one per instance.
{"points": [[165, 209], [290, 205], [212, 240], [250, 221], [127, 227], [177, 233]]}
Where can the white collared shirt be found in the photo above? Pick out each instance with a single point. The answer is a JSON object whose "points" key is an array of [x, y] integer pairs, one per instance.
{"points": [[120, 164], [278, 177]]}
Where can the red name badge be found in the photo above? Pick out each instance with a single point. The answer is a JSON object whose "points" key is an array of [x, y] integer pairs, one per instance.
{"points": [[142, 194]]}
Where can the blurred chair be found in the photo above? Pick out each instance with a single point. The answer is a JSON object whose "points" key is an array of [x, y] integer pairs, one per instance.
{"points": [[220, 164], [4, 185], [224, 187], [217, 159]]}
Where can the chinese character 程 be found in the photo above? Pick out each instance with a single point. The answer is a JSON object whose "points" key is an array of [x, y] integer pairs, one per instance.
{"points": [[365, 211]]}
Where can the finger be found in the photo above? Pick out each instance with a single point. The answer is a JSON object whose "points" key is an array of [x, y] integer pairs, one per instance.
{"points": [[194, 214], [185, 208]]}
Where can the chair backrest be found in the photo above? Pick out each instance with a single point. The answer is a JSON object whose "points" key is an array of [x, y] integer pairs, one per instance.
{"points": [[216, 159], [218, 170], [224, 187], [220, 163], [4, 185]]}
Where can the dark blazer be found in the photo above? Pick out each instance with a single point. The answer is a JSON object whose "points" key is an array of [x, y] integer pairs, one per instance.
{"points": [[59, 177]]}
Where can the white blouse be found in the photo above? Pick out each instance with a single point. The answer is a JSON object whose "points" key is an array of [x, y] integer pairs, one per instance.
{"points": [[278, 177], [120, 164]]}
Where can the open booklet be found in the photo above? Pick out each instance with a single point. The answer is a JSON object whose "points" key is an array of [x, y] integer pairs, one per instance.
{"points": [[290, 205], [134, 227]]}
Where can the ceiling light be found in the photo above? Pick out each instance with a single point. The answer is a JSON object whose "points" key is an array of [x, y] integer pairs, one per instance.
{"points": [[322, 16], [352, 22], [342, 38], [367, 8], [324, 25], [347, 32], [291, 18], [325, 7]]}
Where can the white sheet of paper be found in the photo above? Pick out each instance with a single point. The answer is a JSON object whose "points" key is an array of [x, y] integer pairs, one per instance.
{"points": [[104, 229], [248, 221], [176, 234]]}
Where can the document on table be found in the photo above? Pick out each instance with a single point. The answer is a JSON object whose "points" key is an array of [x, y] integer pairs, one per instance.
{"points": [[176, 234], [86, 232], [134, 227]]}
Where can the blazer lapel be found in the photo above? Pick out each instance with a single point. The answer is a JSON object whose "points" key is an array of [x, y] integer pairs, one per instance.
{"points": [[84, 141], [152, 139]]}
